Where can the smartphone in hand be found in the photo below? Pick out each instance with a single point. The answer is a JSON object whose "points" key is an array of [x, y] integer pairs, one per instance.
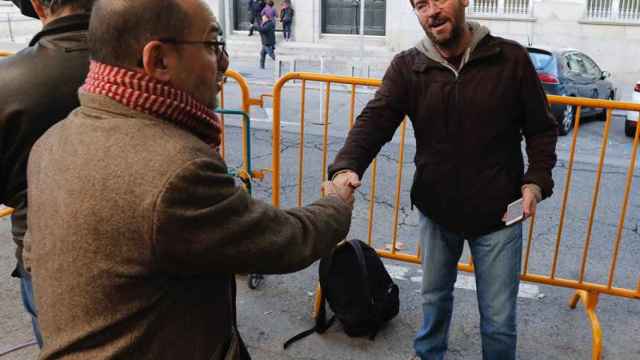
{"points": [[515, 213]]}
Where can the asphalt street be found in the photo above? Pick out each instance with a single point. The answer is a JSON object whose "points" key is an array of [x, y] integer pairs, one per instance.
{"points": [[282, 306]]}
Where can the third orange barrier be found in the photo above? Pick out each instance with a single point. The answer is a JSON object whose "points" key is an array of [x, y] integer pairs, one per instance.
{"points": [[588, 291]]}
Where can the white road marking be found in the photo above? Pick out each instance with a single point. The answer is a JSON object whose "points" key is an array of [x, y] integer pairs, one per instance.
{"points": [[397, 272], [466, 282]]}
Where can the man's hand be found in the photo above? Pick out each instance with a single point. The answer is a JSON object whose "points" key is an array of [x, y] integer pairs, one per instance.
{"points": [[344, 192], [529, 201], [347, 178]]}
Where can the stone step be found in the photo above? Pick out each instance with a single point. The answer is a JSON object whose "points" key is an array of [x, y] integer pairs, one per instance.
{"points": [[245, 46]]}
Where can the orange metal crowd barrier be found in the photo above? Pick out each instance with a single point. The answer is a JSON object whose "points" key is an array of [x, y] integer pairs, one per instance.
{"points": [[247, 173], [586, 291]]}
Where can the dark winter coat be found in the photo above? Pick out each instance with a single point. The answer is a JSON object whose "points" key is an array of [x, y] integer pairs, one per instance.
{"points": [[468, 126]]}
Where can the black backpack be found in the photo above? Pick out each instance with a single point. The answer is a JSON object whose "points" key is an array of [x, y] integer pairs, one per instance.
{"points": [[358, 289]]}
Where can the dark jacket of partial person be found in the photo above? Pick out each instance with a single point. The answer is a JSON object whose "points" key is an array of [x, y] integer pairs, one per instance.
{"points": [[256, 6], [267, 31], [468, 128], [286, 14], [38, 87], [133, 254]]}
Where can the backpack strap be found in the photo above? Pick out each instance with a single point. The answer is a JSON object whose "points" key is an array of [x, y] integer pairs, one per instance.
{"points": [[321, 320], [355, 244], [320, 327], [357, 247]]}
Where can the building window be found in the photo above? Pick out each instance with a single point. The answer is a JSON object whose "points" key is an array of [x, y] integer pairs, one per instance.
{"points": [[500, 8], [613, 10], [357, 17]]}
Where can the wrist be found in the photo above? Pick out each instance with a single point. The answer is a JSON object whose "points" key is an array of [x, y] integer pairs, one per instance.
{"points": [[343, 171], [535, 189]]}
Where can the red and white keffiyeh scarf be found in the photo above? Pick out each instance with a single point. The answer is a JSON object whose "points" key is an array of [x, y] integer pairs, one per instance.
{"points": [[141, 92]]}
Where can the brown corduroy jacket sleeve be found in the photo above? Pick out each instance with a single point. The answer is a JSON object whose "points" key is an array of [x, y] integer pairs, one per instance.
{"points": [[203, 223]]}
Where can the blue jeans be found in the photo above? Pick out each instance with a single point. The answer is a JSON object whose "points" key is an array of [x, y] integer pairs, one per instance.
{"points": [[286, 29], [26, 290], [267, 50], [497, 259]]}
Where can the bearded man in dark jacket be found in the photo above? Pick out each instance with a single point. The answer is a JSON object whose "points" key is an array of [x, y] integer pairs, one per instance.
{"points": [[471, 97], [38, 88]]}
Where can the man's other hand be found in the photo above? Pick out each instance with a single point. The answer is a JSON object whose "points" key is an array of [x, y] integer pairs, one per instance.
{"points": [[529, 201], [347, 178], [344, 192]]}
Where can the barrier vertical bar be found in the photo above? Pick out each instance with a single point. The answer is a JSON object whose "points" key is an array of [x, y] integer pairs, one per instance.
{"points": [[567, 188], [301, 154], [596, 193], [625, 204], [325, 135], [222, 144], [275, 141], [396, 209], [372, 200], [352, 108], [529, 241]]}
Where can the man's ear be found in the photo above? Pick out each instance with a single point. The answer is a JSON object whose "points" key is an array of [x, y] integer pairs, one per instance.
{"points": [[157, 60], [40, 10]]}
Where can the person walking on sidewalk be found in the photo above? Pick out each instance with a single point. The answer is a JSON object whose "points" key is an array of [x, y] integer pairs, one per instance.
{"points": [[286, 17], [267, 30], [255, 11], [269, 10], [472, 97]]}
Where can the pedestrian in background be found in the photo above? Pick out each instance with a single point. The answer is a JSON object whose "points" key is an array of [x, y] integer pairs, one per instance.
{"points": [[269, 10], [286, 17], [267, 30], [255, 11]]}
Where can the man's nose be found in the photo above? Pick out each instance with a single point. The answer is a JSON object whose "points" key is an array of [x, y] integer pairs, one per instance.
{"points": [[433, 11]]}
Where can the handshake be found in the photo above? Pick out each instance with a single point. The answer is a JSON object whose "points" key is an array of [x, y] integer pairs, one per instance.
{"points": [[343, 185]]}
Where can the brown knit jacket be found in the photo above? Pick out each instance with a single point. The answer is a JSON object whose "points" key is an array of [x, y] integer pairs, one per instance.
{"points": [[135, 230]]}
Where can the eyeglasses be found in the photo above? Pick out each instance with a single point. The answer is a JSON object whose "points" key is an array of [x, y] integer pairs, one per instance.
{"points": [[421, 7], [217, 47]]}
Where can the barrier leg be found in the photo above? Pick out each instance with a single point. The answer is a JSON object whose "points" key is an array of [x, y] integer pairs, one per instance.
{"points": [[590, 301], [316, 306]]}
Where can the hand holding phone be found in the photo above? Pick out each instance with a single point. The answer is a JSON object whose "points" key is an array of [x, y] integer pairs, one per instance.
{"points": [[515, 213]]}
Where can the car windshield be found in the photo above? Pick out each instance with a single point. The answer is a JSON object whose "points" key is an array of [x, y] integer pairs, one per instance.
{"points": [[543, 62]]}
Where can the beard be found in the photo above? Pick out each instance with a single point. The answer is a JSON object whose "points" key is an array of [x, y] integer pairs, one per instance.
{"points": [[448, 42], [455, 35]]}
